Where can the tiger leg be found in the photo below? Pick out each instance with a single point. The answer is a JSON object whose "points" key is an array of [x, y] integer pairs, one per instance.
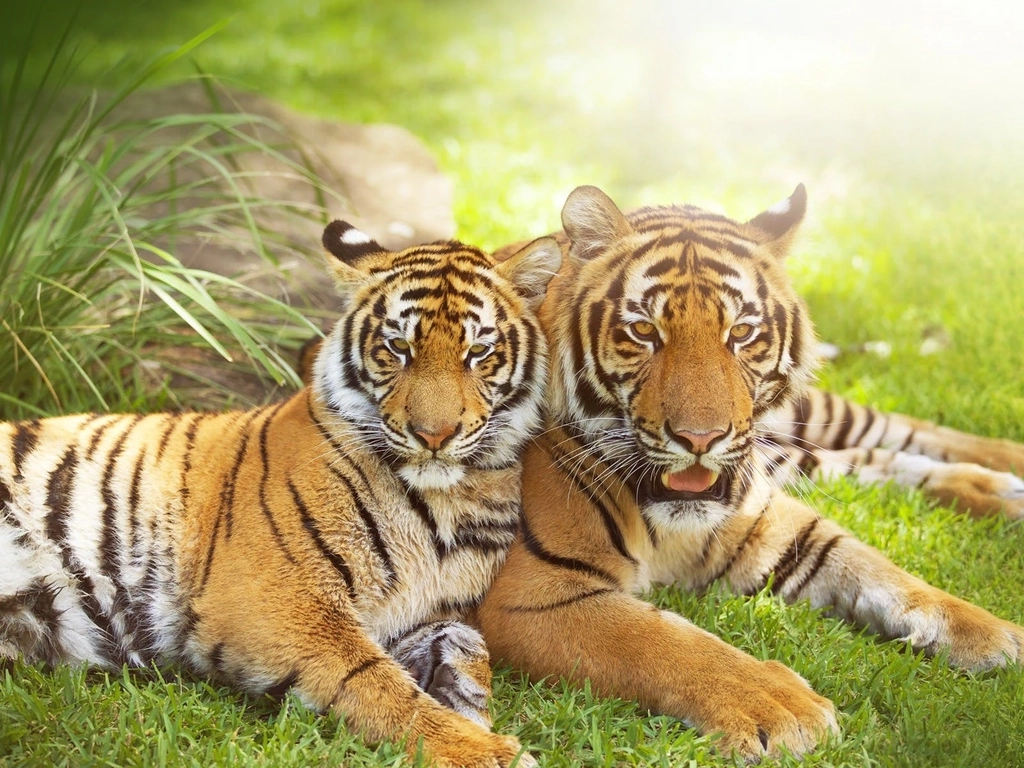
{"points": [[449, 660], [812, 558], [980, 491], [331, 664], [548, 617], [827, 421]]}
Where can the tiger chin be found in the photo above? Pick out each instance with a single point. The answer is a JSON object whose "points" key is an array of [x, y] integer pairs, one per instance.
{"points": [[675, 338], [332, 544]]}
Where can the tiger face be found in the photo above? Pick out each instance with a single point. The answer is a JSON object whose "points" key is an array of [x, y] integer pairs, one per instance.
{"points": [[438, 359], [677, 332]]}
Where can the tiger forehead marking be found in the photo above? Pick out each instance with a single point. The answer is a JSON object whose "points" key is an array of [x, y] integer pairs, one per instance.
{"points": [[452, 301]]}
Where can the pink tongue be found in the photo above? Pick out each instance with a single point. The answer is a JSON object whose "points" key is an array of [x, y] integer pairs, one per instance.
{"points": [[695, 479]]}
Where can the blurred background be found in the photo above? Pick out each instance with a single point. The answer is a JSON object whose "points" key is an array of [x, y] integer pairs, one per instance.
{"points": [[904, 120]]}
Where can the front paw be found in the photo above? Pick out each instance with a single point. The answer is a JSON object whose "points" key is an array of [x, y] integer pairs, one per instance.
{"points": [[763, 707], [472, 746], [976, 640]]}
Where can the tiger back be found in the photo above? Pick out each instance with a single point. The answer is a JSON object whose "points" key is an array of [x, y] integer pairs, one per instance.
{"points": [[331, 544], [676, 339]]}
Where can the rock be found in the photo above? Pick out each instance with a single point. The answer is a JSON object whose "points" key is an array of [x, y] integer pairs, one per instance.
{"points": [[380, 178]]}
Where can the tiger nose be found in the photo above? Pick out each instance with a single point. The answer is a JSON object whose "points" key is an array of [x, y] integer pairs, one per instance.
{"points": [[695, 442], [435, 437]]}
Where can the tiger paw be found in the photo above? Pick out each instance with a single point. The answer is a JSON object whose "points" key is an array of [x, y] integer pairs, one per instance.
{"points": [[452, 741], [449, 660], [494, 751], [764, 707], [980, 491], [975, 639]]}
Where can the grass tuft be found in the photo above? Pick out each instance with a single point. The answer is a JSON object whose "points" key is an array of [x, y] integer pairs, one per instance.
{"points": [[93, 205]]}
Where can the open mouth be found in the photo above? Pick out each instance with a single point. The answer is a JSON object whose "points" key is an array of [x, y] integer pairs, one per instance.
{"points": [[695, 483]]}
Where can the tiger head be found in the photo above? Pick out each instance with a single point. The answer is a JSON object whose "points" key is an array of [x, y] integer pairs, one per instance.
{"points": [[674, 331], [437, 361]]}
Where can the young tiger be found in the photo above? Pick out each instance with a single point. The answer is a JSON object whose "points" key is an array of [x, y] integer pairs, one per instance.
{"points": [[675, 335], [331, 544], [823, 435]]}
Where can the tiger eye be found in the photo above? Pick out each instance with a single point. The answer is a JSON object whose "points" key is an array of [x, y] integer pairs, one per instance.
{"points": [[478, 349], [644, 329], [741, 331], [400, 344]]}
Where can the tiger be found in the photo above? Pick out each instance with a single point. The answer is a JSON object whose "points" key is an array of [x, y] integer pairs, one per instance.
{"points": [[676, 338], [332, 544], [822, 436]]}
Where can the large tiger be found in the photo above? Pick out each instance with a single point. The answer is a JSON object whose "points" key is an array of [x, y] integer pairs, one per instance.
{"points": [[676, 340], [331, 544]]}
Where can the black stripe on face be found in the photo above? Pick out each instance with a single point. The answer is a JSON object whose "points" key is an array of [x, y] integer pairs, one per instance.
{"points": [[657, 269], [796, 345], [5, 496], [781, 331], [720, 268], [26, 437], [535, 548], [331, 555]]}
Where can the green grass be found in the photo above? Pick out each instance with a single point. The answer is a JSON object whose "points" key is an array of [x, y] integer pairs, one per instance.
{"points": [[915, 221]]}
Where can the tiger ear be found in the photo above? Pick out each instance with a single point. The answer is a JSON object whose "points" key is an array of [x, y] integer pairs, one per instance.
{"points": [[531, 268], [592, 221], [348, 251], [777, 226]]}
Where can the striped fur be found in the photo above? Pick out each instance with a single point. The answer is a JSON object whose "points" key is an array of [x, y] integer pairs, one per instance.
{"points": [[332, 544], [675, 340], [824, 435]]}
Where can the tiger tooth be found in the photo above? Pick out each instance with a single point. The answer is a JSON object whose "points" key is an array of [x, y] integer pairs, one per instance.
{"points": [[714, 478], [665, 479]]}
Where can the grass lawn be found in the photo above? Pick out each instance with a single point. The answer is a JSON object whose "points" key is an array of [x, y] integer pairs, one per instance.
{"points": [[906, 143]]}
